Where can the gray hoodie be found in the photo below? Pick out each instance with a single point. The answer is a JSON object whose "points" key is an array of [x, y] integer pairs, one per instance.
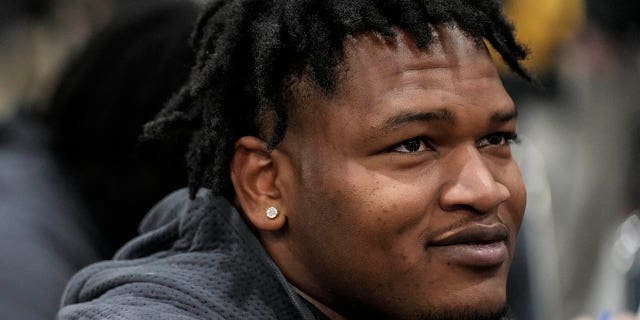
{"points": [[195, 259]]}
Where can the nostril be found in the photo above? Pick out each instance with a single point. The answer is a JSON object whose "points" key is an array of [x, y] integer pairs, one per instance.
{"points": [[503, 191], [464, 208], [478, 199]]}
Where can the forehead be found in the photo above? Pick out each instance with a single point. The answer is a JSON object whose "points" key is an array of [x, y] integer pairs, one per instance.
{"points": [[449, 48], [450, 61], [380, 79]]}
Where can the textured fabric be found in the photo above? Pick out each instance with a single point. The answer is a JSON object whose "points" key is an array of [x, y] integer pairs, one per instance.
{"points": [[194, 260]]}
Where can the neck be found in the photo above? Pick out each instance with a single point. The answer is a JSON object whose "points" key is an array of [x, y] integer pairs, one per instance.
{"points": [[330, 313]]}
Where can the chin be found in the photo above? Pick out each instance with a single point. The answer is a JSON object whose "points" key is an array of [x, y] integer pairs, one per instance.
{"points": [[478, 302], [485, 312], [484, 299]]}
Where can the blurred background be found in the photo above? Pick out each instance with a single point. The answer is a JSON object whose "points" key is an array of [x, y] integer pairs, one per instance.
{"points": [[79, 77], [77, 81], [580, 156]]}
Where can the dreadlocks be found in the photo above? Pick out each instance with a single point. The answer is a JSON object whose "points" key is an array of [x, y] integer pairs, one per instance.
{"points": [[249, 51]]}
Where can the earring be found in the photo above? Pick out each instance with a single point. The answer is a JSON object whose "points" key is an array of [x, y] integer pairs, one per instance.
{"points": [[272, 213]]}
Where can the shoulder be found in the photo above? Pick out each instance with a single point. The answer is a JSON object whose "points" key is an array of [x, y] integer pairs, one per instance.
{"points": [[131, 307], [196, 260]]}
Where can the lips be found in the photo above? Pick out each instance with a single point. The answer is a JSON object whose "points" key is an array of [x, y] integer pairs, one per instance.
{"points": [[473, 246]]}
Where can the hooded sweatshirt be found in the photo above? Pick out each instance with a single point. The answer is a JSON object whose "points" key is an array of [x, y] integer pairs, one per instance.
{"points": [[194, 259]]}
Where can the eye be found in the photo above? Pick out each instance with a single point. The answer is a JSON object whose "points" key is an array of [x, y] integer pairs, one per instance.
{"points": [[498, 139], [411, 146]]}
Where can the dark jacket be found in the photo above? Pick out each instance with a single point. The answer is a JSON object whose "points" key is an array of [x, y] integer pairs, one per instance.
{"points": [[194, 260]]}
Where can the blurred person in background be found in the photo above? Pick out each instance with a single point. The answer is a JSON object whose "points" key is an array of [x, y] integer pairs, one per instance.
{"points": [[613, 38], [601, 71], [55, 159], [583, 125], [120, 80], [43, 237]]}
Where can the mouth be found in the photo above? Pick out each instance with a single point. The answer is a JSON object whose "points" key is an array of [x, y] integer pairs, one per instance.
{"points": [[478, 245]]}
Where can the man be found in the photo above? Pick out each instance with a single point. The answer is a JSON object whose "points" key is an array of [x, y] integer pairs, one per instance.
{"points": [[361, 149]]}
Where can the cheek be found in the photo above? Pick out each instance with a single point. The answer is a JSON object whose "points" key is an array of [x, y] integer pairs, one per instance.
{"points": [[518, 200], [372, 228], [386, 211]]}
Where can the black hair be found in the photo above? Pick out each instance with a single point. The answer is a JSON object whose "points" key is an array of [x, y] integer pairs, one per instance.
{"points": [[250, 51], [116, 83]]}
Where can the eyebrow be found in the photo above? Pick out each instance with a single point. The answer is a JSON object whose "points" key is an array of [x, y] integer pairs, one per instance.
{"points": [[441, 115], [502, 117], [406, 117]]}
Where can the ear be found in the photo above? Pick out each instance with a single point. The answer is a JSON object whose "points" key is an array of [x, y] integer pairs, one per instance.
{"points": [[254, 174]]}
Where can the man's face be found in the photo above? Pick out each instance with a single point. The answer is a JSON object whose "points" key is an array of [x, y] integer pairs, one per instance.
{"points": [[404, 200]]}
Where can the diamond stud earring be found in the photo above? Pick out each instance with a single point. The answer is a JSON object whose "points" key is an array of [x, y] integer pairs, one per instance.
{"points": [[272, 213]]}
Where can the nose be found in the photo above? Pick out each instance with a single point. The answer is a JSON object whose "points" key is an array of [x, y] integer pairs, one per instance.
{"points": [[473, 185]]}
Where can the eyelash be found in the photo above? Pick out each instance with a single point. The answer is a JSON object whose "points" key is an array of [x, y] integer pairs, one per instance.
{"points": [[406, 142], [508, 138]]}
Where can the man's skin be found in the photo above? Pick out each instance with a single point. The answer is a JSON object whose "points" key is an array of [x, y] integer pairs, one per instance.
{"points": [[398, 196]]}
